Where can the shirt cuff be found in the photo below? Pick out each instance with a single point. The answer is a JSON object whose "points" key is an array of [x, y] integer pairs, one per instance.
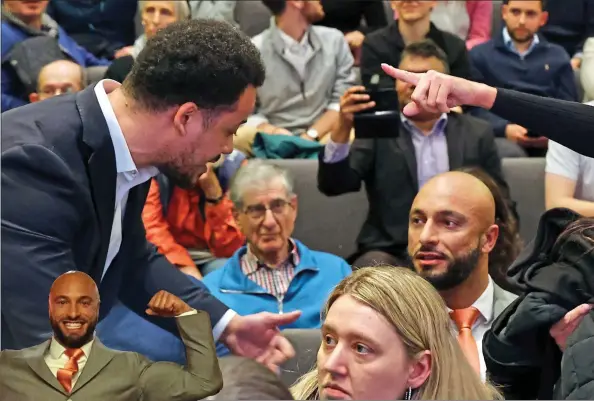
{"points": [[188, 313], [222, 324], [334, 106], [255, 120], [336, 152]]}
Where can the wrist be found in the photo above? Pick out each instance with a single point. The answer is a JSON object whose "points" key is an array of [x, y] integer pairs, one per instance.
{"points": [[485, 96]]}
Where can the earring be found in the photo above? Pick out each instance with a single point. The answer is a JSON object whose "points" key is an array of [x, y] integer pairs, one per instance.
{"points": [[408, 394]]}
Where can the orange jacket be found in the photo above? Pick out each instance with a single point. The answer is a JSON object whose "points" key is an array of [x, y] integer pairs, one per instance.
{"points": [[182, 226]]}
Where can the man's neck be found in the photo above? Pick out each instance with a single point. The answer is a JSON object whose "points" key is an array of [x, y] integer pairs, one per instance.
{"points": [[271, 259], [415, 31], [426, 127], [466, 294], [293, 27], [137, 127]]}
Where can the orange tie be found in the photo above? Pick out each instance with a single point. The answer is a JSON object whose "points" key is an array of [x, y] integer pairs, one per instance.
{"points": [[464, 319], [69, 370]]}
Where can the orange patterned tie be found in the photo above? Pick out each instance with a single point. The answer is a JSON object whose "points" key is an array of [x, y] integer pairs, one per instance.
{"points": [[464, 319], [69, 370]]}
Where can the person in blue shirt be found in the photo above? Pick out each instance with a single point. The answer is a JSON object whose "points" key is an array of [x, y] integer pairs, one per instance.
{"points": [[22, 20], [520, 58]]}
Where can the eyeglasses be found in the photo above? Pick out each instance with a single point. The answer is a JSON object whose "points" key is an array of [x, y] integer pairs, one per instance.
{"points": [[278, 207]]}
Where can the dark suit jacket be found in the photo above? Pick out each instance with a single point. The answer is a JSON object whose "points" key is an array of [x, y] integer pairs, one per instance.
{"points": [[388, 168], [58, 197], [119, 376], [386, 45]]}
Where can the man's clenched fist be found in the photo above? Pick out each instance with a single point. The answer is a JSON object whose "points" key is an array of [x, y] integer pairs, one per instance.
{"points": [[164, 304]]}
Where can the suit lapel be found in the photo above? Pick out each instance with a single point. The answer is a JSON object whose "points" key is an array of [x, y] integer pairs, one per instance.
{"points": [[99, 358], [405, 144], [101, 170], [36, 359], [502, 299], [454, 141]]}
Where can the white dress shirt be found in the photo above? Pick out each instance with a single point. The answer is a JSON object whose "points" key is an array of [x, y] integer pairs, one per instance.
{"points": [[128, 176], [56, 359], [484, 304]]}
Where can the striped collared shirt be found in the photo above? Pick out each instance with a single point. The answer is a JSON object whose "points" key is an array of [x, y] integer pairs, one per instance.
{"points": [[275, 280]]}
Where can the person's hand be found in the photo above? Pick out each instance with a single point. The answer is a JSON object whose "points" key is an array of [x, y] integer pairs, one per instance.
{"points": [[273, 130], [209, 183], [354, 39], [561, 330], [516, 133], [165, 304], [258, 337], [124, 51], [438, 93], [576, 63], [191, 271], [306, 137], [351, 102]]}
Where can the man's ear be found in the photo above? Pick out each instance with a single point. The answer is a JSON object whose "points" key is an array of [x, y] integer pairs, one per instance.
{"points": [[420, 369], [490, 238], [185, 115], [33, 97]]}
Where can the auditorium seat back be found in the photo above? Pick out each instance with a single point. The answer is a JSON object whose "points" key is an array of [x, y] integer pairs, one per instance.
{"points": [[306, 343]]}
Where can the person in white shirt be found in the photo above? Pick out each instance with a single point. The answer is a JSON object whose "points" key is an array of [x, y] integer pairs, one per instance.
{"points": [[451, 231], [569, 179], [75, 363]]}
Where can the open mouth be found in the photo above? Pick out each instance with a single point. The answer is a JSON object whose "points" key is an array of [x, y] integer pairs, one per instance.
{"points": [[73, 325], [430, 257]]}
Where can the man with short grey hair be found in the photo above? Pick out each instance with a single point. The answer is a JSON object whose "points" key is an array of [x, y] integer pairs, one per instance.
{"points": [[273, 272]]}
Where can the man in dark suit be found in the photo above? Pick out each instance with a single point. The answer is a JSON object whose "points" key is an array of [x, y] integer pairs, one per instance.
{"points": [[75, 365], [393, 169], [76, 170]]}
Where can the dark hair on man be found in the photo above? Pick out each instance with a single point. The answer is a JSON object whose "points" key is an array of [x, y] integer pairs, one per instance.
{"points": [[543, 3], [276, 7], [509, 243], [246, 379], [207, 62], [426, 48]]}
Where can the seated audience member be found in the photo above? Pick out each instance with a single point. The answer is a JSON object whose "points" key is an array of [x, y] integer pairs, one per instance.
{"points": [[386, 336], [155, 15], [540, 347], [58, 78], [273, 272], [413, 24], [521, 59], [587, 70], [569, 27], [451, 232], [74, 363], [246, 379], [102, 27], [22, 20], [213, 9], [348, 16], [194, 228], [509, 244], [393, 169], [469, 20], [569, 180], [307, 69]]}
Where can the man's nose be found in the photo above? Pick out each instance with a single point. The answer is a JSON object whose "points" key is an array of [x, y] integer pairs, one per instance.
{"points": [[269, 219], [427, 234]]}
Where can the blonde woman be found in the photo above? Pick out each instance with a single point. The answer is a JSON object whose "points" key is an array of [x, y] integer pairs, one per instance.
{"points": [[386, 335]]}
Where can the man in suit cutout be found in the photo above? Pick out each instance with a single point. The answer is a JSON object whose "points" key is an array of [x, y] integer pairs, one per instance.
{"points": [[75, 365], [450, 234], [76, 171]]}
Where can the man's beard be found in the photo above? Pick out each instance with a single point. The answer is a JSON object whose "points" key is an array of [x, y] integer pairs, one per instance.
{"points": [[459, 269], [177, 178], [527, 38], [73, 342]]}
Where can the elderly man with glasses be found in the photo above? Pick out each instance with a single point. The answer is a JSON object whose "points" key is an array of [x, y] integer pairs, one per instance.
{"points": [[273, 272]]}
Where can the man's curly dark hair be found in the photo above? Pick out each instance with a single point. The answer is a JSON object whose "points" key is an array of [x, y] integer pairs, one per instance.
{"points": [[207, 62]]}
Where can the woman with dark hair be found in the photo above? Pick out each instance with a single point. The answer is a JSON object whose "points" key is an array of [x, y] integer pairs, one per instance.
{"points": [[509, 244]]}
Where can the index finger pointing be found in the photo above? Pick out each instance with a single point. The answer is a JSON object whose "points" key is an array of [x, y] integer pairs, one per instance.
{"points": [[409, 77]]}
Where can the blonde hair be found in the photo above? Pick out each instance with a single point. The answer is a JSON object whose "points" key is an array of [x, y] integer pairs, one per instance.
{"points": [[419, 316]]}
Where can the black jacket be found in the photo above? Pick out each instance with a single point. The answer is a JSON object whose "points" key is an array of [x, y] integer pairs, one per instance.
{"points": [[519, 352], [388, 167], [386, 45]]}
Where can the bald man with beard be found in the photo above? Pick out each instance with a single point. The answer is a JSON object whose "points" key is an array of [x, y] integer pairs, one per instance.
{"points": [[451, 232], [74, 365]]}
